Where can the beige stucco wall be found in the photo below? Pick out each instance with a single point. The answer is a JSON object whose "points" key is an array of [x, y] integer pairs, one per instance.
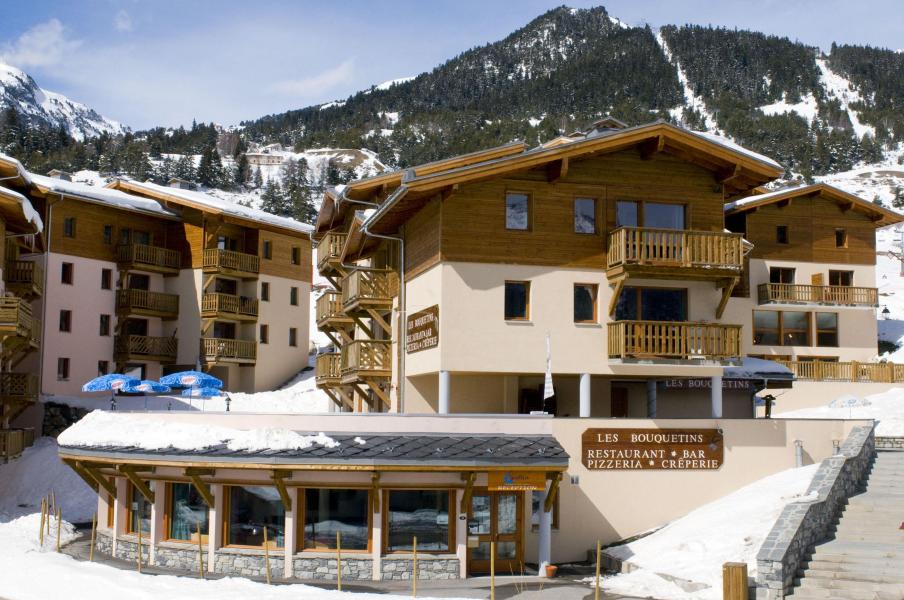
{"points": [[277, 362], [187, 284]]}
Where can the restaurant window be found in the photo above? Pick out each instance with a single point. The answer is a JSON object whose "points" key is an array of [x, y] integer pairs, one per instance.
{"points": [[781, 234], [296, 255], [781, 275], [536, 505], [106, 279], [62, 369], [66, 321], [186, 513], [139, 512], [651, 304], [585, 302], [265, 291], [517, 211], [66, 273], [421, 513], [103, 367], [265, 334], [585, 215], [327, 511], [776, 328], [268, 250], [841, 278], [293, 337], [841, 239], [104, 325], [293, 296], [517, 300], [827, 329], [251, 508], [69, 227], [108, 234]]}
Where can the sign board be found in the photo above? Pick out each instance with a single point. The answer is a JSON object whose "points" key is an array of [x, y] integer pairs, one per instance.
{"points": [[423, 330], [705, 383], [516, 481], [652, 449]]}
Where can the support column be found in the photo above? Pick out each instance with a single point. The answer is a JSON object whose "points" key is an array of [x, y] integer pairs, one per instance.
{"points": [[461, 536], [584, 395], [716, 396], [214, 531], [544, 544], [445, 384], [290, 529], [157, 510], [651, 398], [120, 509], [376, 541]]}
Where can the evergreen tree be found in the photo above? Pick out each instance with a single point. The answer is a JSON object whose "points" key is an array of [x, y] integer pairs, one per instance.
{"points": [[242, 171], [185, 168], [898, 201], [273, 200], [258, 178], [210, 169]]}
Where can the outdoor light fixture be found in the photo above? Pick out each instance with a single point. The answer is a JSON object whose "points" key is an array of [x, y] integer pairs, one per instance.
{"points": [[885, 312], [228, 399]]}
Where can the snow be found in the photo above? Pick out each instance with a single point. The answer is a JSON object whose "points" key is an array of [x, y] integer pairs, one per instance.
{"points": [[886, 408], [760, 197], [844, 91], [388, 84], [334, 103], [690, 98], [28, 211], [731, 145], [100, 194], [683, 560], [757, 368], [806, 108]]}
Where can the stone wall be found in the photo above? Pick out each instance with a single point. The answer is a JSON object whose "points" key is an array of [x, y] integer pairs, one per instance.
{"points": [[890, 443], [323, 567], [58, 417], [805, 523], [248, 563], [400, 569]]}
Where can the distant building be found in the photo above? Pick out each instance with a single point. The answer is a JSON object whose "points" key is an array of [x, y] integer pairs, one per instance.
{"points": [[258, 159]]}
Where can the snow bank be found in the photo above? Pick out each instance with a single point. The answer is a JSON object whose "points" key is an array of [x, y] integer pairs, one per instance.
{"points": [[683, 560], [887, 409]]}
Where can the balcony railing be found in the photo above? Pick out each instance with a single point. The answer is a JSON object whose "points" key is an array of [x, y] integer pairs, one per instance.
{"points": [[147, 303], [19, 385], [329, 249], [34, 335], [821, 370], [362, 359], [329, 311], [637, 246], [217, 260], [228, 350], [24, 276], [327, 369], [673, 340], [143, 347], [367, 289], [229, 306], [149, 258], [15, 316], [792, 293], [14, 441]]}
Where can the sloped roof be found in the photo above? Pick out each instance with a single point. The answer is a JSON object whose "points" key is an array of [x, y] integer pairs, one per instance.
{"points": [[101, 195], [19, 212]]}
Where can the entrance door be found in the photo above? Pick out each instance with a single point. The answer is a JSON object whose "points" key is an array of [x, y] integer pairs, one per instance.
{"points": [[496, 517]]}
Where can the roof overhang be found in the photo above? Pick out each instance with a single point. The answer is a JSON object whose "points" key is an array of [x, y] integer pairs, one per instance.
{"points": [[14, 212]]}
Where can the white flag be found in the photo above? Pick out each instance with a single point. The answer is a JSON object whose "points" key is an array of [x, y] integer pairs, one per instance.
{"points": [[548, 391]]}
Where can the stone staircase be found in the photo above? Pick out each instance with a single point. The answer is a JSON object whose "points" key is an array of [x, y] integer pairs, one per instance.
{"points": [[864, 560]]}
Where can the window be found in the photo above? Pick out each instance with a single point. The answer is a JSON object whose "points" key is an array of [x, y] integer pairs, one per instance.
{"points": [[125, 236], [827, 359], [268, 250], [537, 505], [776, 328], [265, 334], [841, 278], [69, 227], [293, 296], [265, 291], [781, 234], [108, 234], [651, 304], [66, 273], [656, 215], [585, 302], [584, 215], [66, 320], [226, 286], [841, 240], [142, 238], [105, 325], [795, 328], [106, 279], [827, 329], [293, 337], [103, 367], [223, 330], [296, 255], [421, 513], [227, 243], [517, 300], [63, 369], [139, 512], [327, 511], [186, 513], [517, 211], [627, 213], [781, 275], [251, 508]]}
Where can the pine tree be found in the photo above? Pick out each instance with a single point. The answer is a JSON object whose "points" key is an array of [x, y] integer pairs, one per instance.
{"points": [[242, 171], [258, 178], [898, 201], [210, 169], [273, 200], [185, 168]]}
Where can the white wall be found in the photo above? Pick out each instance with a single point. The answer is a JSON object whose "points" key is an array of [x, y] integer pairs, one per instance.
{"points": [[277, 362]]}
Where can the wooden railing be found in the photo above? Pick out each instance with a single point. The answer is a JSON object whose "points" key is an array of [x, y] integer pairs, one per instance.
{"points": [[215, 258], [34, 334], [144, 300], [327, 366], [24, 272], [365, 357], [329, 248], [16, 314], [673, 340], [12, 443], [217, 349], [675, 247], [164, 348], [329, 306], [367, 285], [19, 385], [151, 256], [853, 371], [817, 294], [227, 303]]}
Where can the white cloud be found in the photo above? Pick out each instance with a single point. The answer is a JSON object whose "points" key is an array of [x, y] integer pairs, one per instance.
{"points": [[317, 84], [44, 45], [122, 21]]}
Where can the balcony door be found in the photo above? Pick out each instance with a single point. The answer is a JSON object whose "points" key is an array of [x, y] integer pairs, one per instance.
{"points": [[139, 282], [224, 330], [653, 215], [651, 304], [135, 327], [496, 517]]}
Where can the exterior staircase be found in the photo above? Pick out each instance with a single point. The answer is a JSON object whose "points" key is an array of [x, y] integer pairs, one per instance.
{"points": [[865, 558]]}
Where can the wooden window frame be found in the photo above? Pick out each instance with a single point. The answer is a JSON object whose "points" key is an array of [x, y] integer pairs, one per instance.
{"points": [[526, 316], [302, 520], [64, 266], [167, 517], [265, 291], [530, 211], [555, 512], [131, 490], [384, 515], [227, 507], [67, 321], [111, 506], [840, 271], [781, 271], [267, 250], [844, 237], [787, 235], [816, 330], [574, 215], [595, 289], [642, 212], [70, 227], [781, 328]]}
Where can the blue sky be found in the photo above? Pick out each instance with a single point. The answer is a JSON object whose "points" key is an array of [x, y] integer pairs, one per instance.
{"points": [[166, 62]]}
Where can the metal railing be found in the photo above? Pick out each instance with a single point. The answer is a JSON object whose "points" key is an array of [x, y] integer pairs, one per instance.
{"points": [[230, 260], [229, 304], [673, 340], [817, 294], [150, 256], [24, 272], [223, 349], [329, 248], [675, 247], [144, 346], [367, 358], [136, 300]]}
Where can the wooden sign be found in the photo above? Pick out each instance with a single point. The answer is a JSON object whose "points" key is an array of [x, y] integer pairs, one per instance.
{"points": [[657, 449], [423, 330], [516, 481]]}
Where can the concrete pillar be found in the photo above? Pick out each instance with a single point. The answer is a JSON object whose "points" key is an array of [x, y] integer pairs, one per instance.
{"points": [[585, 395], [651, 398], [716, 396], [290, 542], [214, 530], [461, 535], [120, 509], [157, 510], [445, 384], [798, 453], [376, 541], [544, 543]]}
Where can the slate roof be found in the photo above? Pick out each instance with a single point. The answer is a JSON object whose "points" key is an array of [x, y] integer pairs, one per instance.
{"points": [[381, 448]]}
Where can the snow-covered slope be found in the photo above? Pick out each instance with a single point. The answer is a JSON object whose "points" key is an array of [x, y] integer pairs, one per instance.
{"points": [[39, 106]]}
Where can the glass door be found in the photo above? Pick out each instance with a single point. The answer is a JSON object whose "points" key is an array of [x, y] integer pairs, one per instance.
{"points": [[495, 517]]}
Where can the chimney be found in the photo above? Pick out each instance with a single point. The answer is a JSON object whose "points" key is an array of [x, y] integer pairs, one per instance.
{"points": [[181, 184], [57, 174], [607, 124]]}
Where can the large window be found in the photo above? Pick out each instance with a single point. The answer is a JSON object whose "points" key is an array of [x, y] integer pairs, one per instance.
{"points": [[776, 328], [655, 215], [251, 508], [781, 275], [517, 211], [651, 304], [329, 511], [139, 512], [826, 329], [186, 513], [842, 278], [421, 513], [584, 215], [517, 300], [585, 302]]}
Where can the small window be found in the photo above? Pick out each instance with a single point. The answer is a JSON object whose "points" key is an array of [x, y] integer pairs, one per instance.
{"points": [[268, 249], [827, 329], [108, 234], [142, 238], [293, 296], [781, 275], [585, 302], [265, 291], [265, 334], [66, 273], [106, 279], [105, 325], [103, 367], [841, 240], [187, 513], [517, 211], [125, 236], [841, 278], [585, 215], [517, 300], [296, 255], [66, 320], [781, 234], [63, 369], [69, 227], [293, 337]]}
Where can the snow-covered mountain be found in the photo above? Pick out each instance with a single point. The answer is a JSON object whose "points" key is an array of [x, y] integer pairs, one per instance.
{"points": [[38, 106]]}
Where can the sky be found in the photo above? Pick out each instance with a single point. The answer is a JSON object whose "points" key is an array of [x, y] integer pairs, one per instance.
{"points": [[167, 62]]}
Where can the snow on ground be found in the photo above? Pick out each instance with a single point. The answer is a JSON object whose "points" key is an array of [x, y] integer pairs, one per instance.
{"points": [[806, 108], [683, 560], [839, 88], [889, 280], [690, 98], [886, 408]]}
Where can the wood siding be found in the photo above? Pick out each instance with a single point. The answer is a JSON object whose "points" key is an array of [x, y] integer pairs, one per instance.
{"points": [[280, 265], [422, 235]]}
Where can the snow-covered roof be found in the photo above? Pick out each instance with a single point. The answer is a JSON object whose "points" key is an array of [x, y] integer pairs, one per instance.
{"points": [[29, 214], [762, 197], [101, 195], [758, 368], [20, 170], [731, 145]]}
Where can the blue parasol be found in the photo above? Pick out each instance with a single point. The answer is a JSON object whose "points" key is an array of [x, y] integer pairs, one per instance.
{"points": [[107, 383], [145, 386], [192, 379], [204, 392]]}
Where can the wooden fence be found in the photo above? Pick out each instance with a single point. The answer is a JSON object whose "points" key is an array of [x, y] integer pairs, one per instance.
{"points": [[229, 304], [329, 248], [147, 347], [14, 441], [229, 350], [24, 272], [371, 287], [367, 358], [143, 300]]}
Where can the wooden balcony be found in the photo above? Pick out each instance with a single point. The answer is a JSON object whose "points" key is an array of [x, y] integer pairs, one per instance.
{"points": [[15, 318], [329, 251], [363, 360], [831, 295], [149, 258], [14, 441], [147, 304], [19, 386], [646, 340], [327, 370], [367, 290], [34, 335], [856, 372], [229, 307], [674, 254], [232, 263], [24, 278], [143, 348], [330, 315], [222, 350]]}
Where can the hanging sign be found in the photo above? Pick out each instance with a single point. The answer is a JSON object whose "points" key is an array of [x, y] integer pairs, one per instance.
{"points": [[423, 330], [516, 481], [656, 449]]}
